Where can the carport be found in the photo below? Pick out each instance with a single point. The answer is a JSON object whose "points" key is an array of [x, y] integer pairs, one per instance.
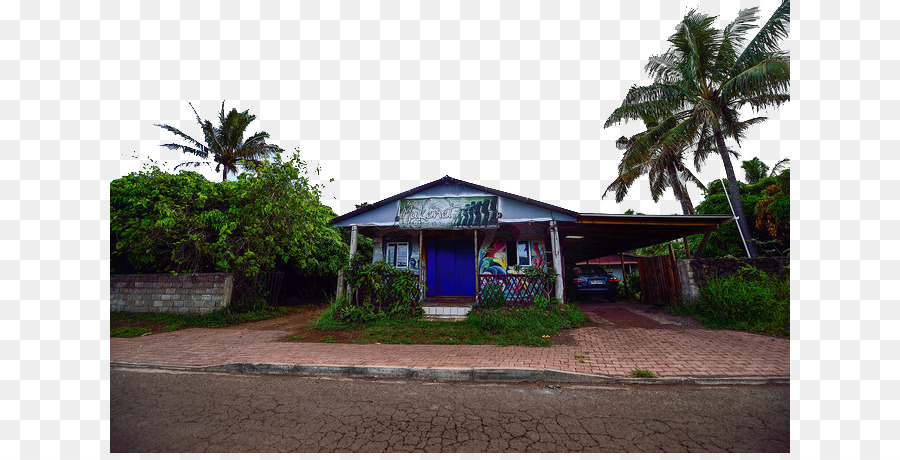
{"points": [[597, 235]]}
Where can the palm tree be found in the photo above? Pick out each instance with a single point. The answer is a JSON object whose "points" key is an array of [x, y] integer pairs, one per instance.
{"points": [[663, 167], [225, 142], [755, 170], [703, 80]]}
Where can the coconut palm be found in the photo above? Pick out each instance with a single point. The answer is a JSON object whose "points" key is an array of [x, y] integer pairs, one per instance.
{"points": [[664, 168], [702, 81], [225, 142], [755, 170]]}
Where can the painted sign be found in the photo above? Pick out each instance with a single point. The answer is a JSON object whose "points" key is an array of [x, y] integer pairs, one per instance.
{"points": [[449, 212]]}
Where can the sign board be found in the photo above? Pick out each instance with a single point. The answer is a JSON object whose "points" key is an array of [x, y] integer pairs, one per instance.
{"points": [[449, 212]]}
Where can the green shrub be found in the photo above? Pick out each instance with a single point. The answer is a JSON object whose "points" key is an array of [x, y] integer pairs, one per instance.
{"points": [[377, 290], [749, 300], [493, 297]]}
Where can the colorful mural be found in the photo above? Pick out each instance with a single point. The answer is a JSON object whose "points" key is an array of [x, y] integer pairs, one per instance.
{"points": [[448, 212], [492, 258]]}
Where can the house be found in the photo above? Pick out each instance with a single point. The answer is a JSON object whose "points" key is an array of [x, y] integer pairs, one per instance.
{"points": [[614, 264], [459, 237]]}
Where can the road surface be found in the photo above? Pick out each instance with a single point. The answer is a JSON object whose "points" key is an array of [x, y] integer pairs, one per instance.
{"points": [[159, 411]]}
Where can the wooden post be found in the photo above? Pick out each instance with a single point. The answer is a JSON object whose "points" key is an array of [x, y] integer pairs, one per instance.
{"points": [[687, 249], [422, 275], [557, 260]]}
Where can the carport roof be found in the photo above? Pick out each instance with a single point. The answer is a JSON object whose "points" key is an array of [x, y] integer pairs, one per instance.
{"points": [[604, 234]]}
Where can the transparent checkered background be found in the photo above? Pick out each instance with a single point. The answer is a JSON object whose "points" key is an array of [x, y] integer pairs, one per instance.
{"points": [[385, 96]]}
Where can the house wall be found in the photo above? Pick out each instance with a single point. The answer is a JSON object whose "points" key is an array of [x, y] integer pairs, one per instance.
{"points": [[161, 293], [493, 257], [378, 241]]}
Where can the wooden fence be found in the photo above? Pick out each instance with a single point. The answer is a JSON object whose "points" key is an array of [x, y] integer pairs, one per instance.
{"points": [[660, 283]]}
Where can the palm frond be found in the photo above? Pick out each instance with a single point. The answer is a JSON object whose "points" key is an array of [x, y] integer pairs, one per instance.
{"points": [[766, 40], [782, 164], [765, 79]]}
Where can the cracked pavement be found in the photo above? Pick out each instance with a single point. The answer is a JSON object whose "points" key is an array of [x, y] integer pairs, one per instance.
{"points": [[162, 411]]}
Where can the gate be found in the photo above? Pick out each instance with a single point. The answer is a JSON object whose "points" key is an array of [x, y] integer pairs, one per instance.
{"points": [[660, 283]]}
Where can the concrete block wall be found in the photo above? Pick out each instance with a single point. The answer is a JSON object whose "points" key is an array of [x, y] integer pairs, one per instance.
{"points": [[161, 293]]}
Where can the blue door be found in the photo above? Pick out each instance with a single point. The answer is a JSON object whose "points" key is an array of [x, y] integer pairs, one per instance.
{"points": [[451, 268]]}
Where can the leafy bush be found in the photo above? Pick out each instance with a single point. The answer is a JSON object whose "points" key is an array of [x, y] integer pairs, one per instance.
{"points": [[379, 290], [493, 297], [183, 223], [632, 285], [749, 300]]}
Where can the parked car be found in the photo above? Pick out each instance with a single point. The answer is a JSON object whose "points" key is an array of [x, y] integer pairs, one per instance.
{"points": [[596, 281]]}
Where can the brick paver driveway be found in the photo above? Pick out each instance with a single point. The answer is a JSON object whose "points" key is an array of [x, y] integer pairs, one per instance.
{"points": [[607, 348]]}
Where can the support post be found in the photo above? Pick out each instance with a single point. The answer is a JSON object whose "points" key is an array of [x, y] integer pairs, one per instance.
{"points": [[557, 260], [477, 290], [354, 230], [622, 263], [687, 249]]}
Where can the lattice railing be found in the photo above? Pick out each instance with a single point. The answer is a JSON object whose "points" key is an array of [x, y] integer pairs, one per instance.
{"points": [[518, 289]]}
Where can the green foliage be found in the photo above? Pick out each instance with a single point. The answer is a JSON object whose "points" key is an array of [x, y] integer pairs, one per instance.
{"points": [[183, 223], [493, 297], [378, 290], [767, 205], [632, 286], [527, 326], [748, 299], [639, 373]]}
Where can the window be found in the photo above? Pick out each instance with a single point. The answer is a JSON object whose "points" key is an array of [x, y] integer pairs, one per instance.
{"points": [[397, 254], [518, 253]]}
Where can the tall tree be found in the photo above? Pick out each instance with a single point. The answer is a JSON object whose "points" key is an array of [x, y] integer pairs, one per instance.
{"points": [[702, 81], [225, 142], [754, 170], [664, 168]]}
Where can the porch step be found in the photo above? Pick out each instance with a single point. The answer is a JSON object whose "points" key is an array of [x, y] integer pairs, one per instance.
{"points": [[446, 312]]}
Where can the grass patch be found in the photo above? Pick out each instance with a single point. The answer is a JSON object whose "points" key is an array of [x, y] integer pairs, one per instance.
{"points": [[639, 373], [129, 331], [748, 300], [526, 326], [136, 324]]}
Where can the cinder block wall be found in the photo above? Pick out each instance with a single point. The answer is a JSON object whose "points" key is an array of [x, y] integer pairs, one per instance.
{"points": [[184, 294]]}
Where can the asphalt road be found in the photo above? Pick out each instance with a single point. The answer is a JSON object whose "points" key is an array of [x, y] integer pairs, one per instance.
{"points": [[156, 411]]}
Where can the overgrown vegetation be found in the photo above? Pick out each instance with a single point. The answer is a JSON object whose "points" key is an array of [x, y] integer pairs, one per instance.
{"points": [[749, 300], [377, 290], [530, 325], [184, 223]]}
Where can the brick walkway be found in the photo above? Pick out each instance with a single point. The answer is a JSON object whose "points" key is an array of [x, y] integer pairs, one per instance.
{"points": [[600, 351]]}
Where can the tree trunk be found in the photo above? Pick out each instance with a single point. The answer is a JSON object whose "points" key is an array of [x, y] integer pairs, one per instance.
{"points": [[734, 193], [681, 193]]}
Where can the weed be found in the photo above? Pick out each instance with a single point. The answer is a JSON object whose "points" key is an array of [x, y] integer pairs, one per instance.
{"points": [[329, 339], [639, 373], [749, 300], [129, 332]]}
